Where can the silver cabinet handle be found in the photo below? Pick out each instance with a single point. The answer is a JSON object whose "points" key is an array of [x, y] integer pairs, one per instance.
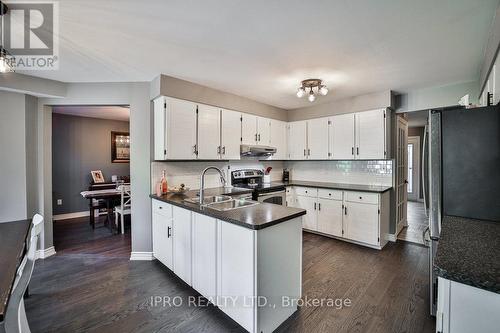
{"points": [[256, 137], [308, 152], [169, 232], [345, 210], [314, 206], [352, 151], [304, 152], [218, 150], [259, 137], [319, 206], [357, 150], [194, 149], [224, 150]]}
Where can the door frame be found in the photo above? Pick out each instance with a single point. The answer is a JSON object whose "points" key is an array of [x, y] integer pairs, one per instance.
{"points": [[401, 180], [415, 195]]}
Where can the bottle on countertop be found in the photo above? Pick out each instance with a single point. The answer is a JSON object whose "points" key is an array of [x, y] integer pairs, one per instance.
{"points": [[164, 187]]}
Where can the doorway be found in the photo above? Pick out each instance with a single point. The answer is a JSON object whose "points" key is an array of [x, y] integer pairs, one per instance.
{"points": [[401, 172], [413, 188]]}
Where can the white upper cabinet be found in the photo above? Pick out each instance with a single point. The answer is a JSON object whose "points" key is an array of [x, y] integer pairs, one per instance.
{"points": [[317, 139], [297, 133], [248, 129], [343, 136], [209, 147], [263, 131], [278, 139], [370, 134], [230, 135], [181, 129]]}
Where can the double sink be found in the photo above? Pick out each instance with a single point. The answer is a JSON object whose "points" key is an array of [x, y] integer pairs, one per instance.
{"points": [[222, 202]]}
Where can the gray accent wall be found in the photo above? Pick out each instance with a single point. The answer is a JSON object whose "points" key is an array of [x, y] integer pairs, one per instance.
{"points": [[79, 145]]}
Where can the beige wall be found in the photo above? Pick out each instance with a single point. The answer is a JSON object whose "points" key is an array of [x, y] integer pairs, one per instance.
{"points": [[347, 105], [173, 87]]}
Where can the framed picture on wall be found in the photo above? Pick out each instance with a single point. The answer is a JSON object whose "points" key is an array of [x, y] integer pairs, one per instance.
{"points": [[97, 176], [120, 147]]}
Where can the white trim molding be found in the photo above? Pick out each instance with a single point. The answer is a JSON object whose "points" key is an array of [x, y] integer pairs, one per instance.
{"points": [[141, 256], [42, 254], [70, 215]]}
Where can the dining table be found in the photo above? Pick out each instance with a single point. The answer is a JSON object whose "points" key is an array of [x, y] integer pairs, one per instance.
{"points": [[13, 238], [109, 196]]}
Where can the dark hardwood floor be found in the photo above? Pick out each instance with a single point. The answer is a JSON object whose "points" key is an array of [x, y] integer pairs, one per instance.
{"points": [[417, 222], [94, 287]]}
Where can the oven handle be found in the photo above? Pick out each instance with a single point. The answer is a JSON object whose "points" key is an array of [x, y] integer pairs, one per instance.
{"points": [[270, 193]]}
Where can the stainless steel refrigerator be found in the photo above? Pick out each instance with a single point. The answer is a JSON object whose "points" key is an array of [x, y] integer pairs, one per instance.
{"points": [[462, 153]]}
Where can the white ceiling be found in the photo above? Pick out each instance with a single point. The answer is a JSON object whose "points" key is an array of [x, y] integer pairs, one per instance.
{"points": [[263, 49], [103, 112]]}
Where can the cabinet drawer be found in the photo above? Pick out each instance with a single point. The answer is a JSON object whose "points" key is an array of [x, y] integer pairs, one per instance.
{"points": [[306, 191], [162, 208], [330, 194], [362, 197]]}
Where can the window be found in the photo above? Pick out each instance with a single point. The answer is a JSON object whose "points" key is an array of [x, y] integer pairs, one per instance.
{"points": [[410, 168]]}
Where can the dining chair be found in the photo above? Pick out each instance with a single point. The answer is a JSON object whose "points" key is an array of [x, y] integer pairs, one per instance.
{"points": [[124, 208], [15, 316]]}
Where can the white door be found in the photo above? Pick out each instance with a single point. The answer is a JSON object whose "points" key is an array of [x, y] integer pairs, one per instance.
{"points": [[278, 139], [235, 278], [263, 131], [231, 134], [182, 243], [401, 173], [162, 239], [330, 217], [309, 220], [297, 140], [370, 134], [181, 129], [205, 255], [343, 136], [413, 186], [159, 128], [248, 129], [209, 146], [361, 222], [317, 139]]}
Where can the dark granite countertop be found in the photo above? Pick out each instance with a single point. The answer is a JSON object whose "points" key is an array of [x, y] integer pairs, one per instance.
{"points": [[339, 186], [469, 252], [254, 217]]}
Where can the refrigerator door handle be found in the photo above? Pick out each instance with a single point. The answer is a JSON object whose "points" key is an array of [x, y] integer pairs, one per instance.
{"points": [[424, 181]]}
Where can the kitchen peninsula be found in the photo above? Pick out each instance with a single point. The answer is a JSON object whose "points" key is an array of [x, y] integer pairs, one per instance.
{"points": [[247, 260]]}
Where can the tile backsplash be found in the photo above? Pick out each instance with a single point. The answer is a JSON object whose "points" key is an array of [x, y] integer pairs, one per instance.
{"points": [[372, 172]]}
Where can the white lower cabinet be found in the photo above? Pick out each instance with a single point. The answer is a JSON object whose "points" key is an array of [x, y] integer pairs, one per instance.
{"points": [[205, 255], [182, 243], [233, 266], [360, 217], [330, 217], [462, 308]]}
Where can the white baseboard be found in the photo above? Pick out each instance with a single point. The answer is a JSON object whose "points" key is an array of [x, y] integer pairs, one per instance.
{"points": [[70, 215], [141, 256], [392, 237], [42, 254]]}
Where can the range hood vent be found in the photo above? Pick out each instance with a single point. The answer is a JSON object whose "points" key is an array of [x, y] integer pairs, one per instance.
{"points": [[253, 150]]}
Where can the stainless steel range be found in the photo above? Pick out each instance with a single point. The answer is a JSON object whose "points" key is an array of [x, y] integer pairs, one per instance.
{"points": [[273, 192]]}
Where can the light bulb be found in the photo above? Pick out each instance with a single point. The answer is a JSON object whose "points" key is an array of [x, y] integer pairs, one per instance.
{"points": [[311, 97], [323, 90], [301, 92]]}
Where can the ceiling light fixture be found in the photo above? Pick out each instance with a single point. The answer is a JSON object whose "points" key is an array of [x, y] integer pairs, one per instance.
{"points": [[312, 84], [6, 59]]}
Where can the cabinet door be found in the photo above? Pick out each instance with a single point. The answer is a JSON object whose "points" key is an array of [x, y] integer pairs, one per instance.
{"points": [[278, 139], [361, 222], [181, 129], [263, 131], [205, 255], [290, 197], [162, 239], [182, 243], [231, 135], [297, 140], [209, 146], [317, 139], [309, 204], [248, 129], [236, 275], [370, 134], [330, 217], [343, 136], [159, 128]]}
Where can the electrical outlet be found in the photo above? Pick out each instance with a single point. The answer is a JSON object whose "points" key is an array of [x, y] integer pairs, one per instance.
{"points": [[59, 202]]}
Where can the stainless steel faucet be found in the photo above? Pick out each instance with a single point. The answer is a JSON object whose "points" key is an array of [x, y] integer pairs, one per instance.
{"points": [[202, 180]]}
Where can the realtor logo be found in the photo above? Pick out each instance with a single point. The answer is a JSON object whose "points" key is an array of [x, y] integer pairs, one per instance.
{"points": [[31, 30]]}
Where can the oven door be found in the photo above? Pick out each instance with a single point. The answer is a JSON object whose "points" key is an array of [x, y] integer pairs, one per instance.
{"points": [[277, 198]]}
